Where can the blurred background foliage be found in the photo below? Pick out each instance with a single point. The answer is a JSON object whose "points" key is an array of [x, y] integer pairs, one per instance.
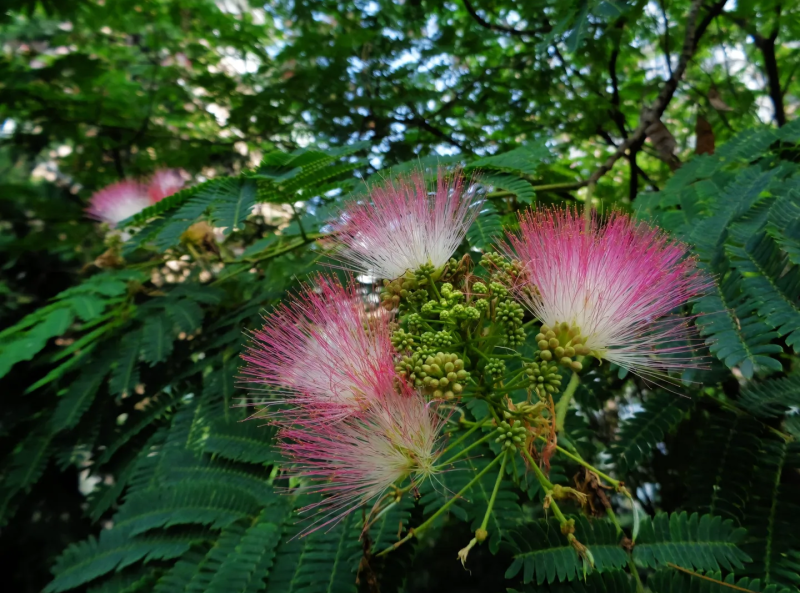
{"points": [[118, 362]]}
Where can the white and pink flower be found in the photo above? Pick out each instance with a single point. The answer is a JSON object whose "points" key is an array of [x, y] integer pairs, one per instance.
{"points": [[164, 183], [617, 282], [118, 201], [403, 226], [354, 461], [324, 352]]}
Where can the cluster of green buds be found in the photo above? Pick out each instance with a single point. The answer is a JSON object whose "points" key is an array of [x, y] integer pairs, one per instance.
{"points": [[509, 314], [561, 343], [500, 268], [433, 342], [402, 340], [495, 367], [543, 376], [511, 435], [450, 307], [409, 287], [442, 375]]}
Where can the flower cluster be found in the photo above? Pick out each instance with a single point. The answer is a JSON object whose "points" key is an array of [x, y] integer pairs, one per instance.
{"points": [[606, 289], [402, 226], [348, 424], [118, 201], [359, 389]]}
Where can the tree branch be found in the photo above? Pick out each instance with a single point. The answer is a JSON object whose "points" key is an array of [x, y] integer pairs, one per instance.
{"points": [[546, 28], [667, 54], [656, 110], [766, 45]]}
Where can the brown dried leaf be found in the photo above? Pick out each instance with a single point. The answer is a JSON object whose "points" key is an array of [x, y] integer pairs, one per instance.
{"points": [[664, 142], [705, 136], [716, 101]]}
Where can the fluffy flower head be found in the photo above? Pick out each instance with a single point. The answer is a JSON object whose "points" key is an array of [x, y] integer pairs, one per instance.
{"points": [[324, 351], [616, 282], [163, 183], [358, 459], [118, 201], [404, 226]]}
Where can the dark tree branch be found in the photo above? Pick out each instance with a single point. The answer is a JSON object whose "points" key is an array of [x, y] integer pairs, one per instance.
{"points": [[427, 126], [417, 121], [633, 188], [639, 171], [656, 110], [667, 54], [616, 113], [766, 45], [500, 28], [713, 12]]}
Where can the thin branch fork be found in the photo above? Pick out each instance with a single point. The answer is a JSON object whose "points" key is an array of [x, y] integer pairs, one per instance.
{"points": [[766, 45], [546, 28], [653, 113]]}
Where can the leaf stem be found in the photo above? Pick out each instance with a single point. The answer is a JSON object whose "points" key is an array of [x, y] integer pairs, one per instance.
{"points": [[566, 398], [475, 427], [416, 531], [494, 492], [576, 458], [465, 451]]}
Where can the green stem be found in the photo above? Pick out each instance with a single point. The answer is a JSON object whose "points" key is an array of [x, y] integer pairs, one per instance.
{"points": [[613, 517], [616, 483], [479, 353], [416, 531], [566, 398], [494, 492], [384, 510], [545, 483], [435, 290], [635, 573], [464, 451], [466, 434]]}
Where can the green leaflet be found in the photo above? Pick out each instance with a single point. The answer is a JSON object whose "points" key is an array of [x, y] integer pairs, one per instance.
{"points": [[640, 434], [115, 549], [699, 542], [543, 554]]}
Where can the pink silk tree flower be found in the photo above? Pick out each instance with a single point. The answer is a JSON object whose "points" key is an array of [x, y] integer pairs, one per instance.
{"points": [[617, 283], [164, 183], [324, 352], [354, 461], [403, 226], [118, 201]]}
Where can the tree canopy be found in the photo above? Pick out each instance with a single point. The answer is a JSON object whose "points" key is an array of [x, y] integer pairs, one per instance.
{"points": [[124, 464]]}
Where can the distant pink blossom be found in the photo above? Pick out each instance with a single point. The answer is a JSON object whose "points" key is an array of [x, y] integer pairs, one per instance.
{"points": [[118, 201], [354, 461], [402, 226], [163, 183], [323, 351], [618, 282]]}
